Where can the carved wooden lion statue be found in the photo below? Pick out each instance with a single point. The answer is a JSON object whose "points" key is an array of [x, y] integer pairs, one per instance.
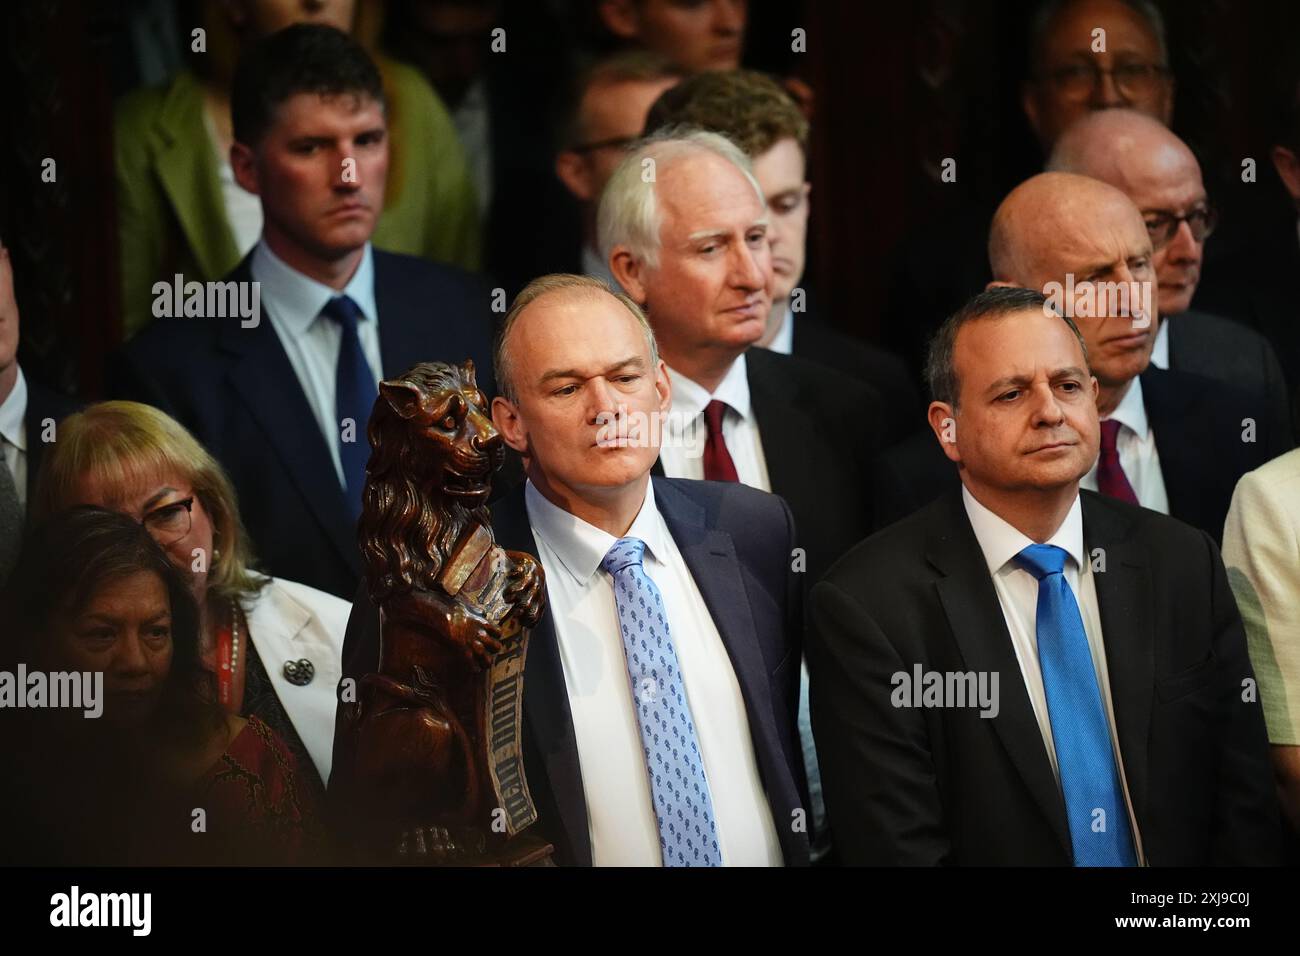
{"points": [[429, 756]]}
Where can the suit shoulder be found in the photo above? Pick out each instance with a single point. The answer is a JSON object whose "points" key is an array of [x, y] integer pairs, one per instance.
{"points": [[1158, 532], [413, 270], [879, 561], [722, 500], [1208, 328]]}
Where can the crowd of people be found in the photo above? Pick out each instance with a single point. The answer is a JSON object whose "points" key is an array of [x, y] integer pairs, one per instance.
{"points": [[1032, 601]]}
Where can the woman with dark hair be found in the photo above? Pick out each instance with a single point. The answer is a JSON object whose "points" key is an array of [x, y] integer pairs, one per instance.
{"points": [[162, 773]]}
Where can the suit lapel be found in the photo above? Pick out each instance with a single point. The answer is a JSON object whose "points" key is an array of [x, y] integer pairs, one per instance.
{"points": [[1124, 603], [401, 335], [975, 615], [188, 173], [266, 383], [774, 395], [546, 695], [710, 556], [1179, 452]]}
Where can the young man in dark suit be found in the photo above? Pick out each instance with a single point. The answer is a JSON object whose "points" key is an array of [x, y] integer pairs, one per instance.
{"points": [[281, 391], [574, 361], [1024, 672]]}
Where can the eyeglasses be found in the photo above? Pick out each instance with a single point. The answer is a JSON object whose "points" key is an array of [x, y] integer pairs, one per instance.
{"points": [[616, 142], [169, 523], [1163, 226], [1132, 80]]}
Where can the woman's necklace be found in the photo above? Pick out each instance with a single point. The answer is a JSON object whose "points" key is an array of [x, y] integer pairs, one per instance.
{"points": [[228, 657]]}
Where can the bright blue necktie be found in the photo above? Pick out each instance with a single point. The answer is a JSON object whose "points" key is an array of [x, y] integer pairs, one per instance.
{"points": [[1089, 777], [354, 397], [678, 786]]}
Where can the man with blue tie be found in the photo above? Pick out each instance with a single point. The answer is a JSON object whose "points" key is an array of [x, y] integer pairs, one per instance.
{"points": [[282, 397], [1123, 725], [661, 690]]}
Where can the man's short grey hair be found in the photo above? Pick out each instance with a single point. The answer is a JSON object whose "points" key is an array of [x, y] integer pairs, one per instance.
{"points": [[629, 212], [1048, 11], [545, 285]]}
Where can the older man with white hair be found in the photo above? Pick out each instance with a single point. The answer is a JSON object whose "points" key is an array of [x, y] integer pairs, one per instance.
{"points": [[1143, 159], [683, 225]]}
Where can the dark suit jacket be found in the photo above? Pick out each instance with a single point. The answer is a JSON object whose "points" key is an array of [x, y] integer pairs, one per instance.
{"points": [[1251, 278], [42, 403], [1197, 424], [884, 371], [235, 389], [945, 785], [821, 431], [736, 542], [1230, 352]]}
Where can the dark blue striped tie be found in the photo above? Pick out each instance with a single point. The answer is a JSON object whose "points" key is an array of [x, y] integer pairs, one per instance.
{"points": [[354, 397]]}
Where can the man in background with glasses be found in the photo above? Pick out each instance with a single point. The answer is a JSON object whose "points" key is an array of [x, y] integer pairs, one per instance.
{"points": [[606, 110], [1159, 173], [1088, 55]]}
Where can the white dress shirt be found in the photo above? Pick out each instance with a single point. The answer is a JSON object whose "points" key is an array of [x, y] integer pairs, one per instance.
{"points": [[784, 341], [13, 436], [1138, 457], [620, 810], [1160, 351], [685, 432], [1017, 591], [293, 302]]}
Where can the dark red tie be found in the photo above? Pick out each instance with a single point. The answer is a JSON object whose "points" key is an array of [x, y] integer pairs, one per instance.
{"points": [[718, 465], [1111, 479]]}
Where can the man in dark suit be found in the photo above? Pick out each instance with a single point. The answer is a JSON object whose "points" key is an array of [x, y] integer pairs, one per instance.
{"points": [[1143, 159], [280, 387], [755, 113], [1171, 441], [1024, 672], [573, 361]]}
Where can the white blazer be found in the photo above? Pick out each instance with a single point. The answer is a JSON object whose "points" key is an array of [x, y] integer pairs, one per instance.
{"points": [[1261, 548], [290, 622]]}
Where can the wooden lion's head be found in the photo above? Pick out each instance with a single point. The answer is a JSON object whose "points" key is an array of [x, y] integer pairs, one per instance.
{"points": [[433, 452]]}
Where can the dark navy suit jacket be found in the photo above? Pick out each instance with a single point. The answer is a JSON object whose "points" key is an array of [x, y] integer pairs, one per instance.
{"points": [[736, 542], [235, 389]]}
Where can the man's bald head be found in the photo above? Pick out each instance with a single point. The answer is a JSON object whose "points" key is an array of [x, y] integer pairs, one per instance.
{"points": [[1046, 214], [1082, 243], [1161, 175]]}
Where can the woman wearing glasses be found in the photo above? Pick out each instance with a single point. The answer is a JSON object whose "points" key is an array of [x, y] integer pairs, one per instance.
{"points": [[274, 647]]}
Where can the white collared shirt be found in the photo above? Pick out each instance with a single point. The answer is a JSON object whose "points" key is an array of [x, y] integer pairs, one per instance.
{"points": [[620, 810], [685, 432], [784, 340], [13, 435], [1160, 351], [1017, 591], [293, 302], [1138, 457]]}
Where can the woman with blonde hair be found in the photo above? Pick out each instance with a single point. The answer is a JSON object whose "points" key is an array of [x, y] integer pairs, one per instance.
{"points": [[274, 646]]}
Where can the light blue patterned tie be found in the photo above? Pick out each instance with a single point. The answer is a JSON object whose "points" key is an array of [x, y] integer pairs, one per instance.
{"points": [[678, 786], [1089, 777]]}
